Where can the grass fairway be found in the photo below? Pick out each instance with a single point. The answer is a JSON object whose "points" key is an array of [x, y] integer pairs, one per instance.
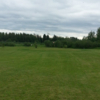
{"points": [[27, 73]]}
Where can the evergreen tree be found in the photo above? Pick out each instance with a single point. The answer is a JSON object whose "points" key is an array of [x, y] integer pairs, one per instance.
{"points": [[98, 34]]}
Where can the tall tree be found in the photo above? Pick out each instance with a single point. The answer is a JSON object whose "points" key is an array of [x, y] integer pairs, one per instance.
{"points": [[91, 36], [98, 34], [44, 37], [54, 38], [47, 37]]}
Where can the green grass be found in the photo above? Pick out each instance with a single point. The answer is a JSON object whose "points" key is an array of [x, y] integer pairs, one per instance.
{"points": [[27, 73]]}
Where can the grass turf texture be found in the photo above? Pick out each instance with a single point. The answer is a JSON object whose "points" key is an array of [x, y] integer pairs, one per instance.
{"points": [[27, 73]]}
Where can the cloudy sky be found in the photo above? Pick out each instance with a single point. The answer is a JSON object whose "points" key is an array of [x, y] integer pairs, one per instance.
{"points": [[59, 17]]}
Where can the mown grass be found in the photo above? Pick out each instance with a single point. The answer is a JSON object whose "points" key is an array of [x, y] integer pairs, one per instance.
{"points": [[27, 73]]}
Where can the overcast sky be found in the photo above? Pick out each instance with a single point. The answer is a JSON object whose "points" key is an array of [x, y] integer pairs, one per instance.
{"points": [[60, 17]]}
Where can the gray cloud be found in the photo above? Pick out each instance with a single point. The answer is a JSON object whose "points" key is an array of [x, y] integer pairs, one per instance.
{"points": [[60, 17]]}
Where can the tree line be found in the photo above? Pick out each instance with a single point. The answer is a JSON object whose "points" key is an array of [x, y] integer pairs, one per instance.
{"points": [[90, 41], [22, 37]]}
